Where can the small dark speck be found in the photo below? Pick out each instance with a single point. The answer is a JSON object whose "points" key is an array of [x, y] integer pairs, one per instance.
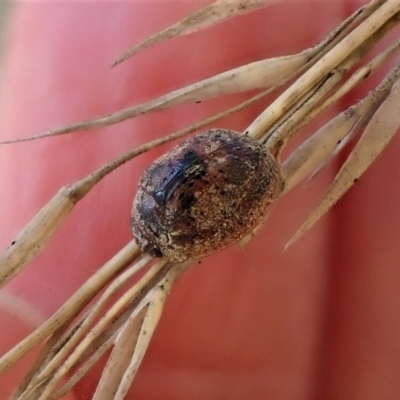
{"points": [[198, 101], [162, 287], [199, 262], [339, 141], [246, 133], [144, 332], [355, 180], [13, 242]]}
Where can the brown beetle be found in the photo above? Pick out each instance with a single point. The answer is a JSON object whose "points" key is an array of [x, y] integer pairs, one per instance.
{"points": [[204, 195]]}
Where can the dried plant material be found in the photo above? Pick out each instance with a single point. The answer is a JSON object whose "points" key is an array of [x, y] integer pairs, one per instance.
{"points": [[33, 394], [98, 348], [98, 328], [310, 154], [150, 322], [33, 238], [216, 12], [272, 73], [60, 352], [279, 69], [269, 73], [322, 145], [319, 71], [73, 305], [120, 357], [82, 371], [380, 130], [36, 366], [35, 235], [107, 338], [316, 101], [299, 114], [361, 74]]}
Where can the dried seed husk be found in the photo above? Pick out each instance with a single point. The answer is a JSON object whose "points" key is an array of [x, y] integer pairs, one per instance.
{"points": [[380, 130]]}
